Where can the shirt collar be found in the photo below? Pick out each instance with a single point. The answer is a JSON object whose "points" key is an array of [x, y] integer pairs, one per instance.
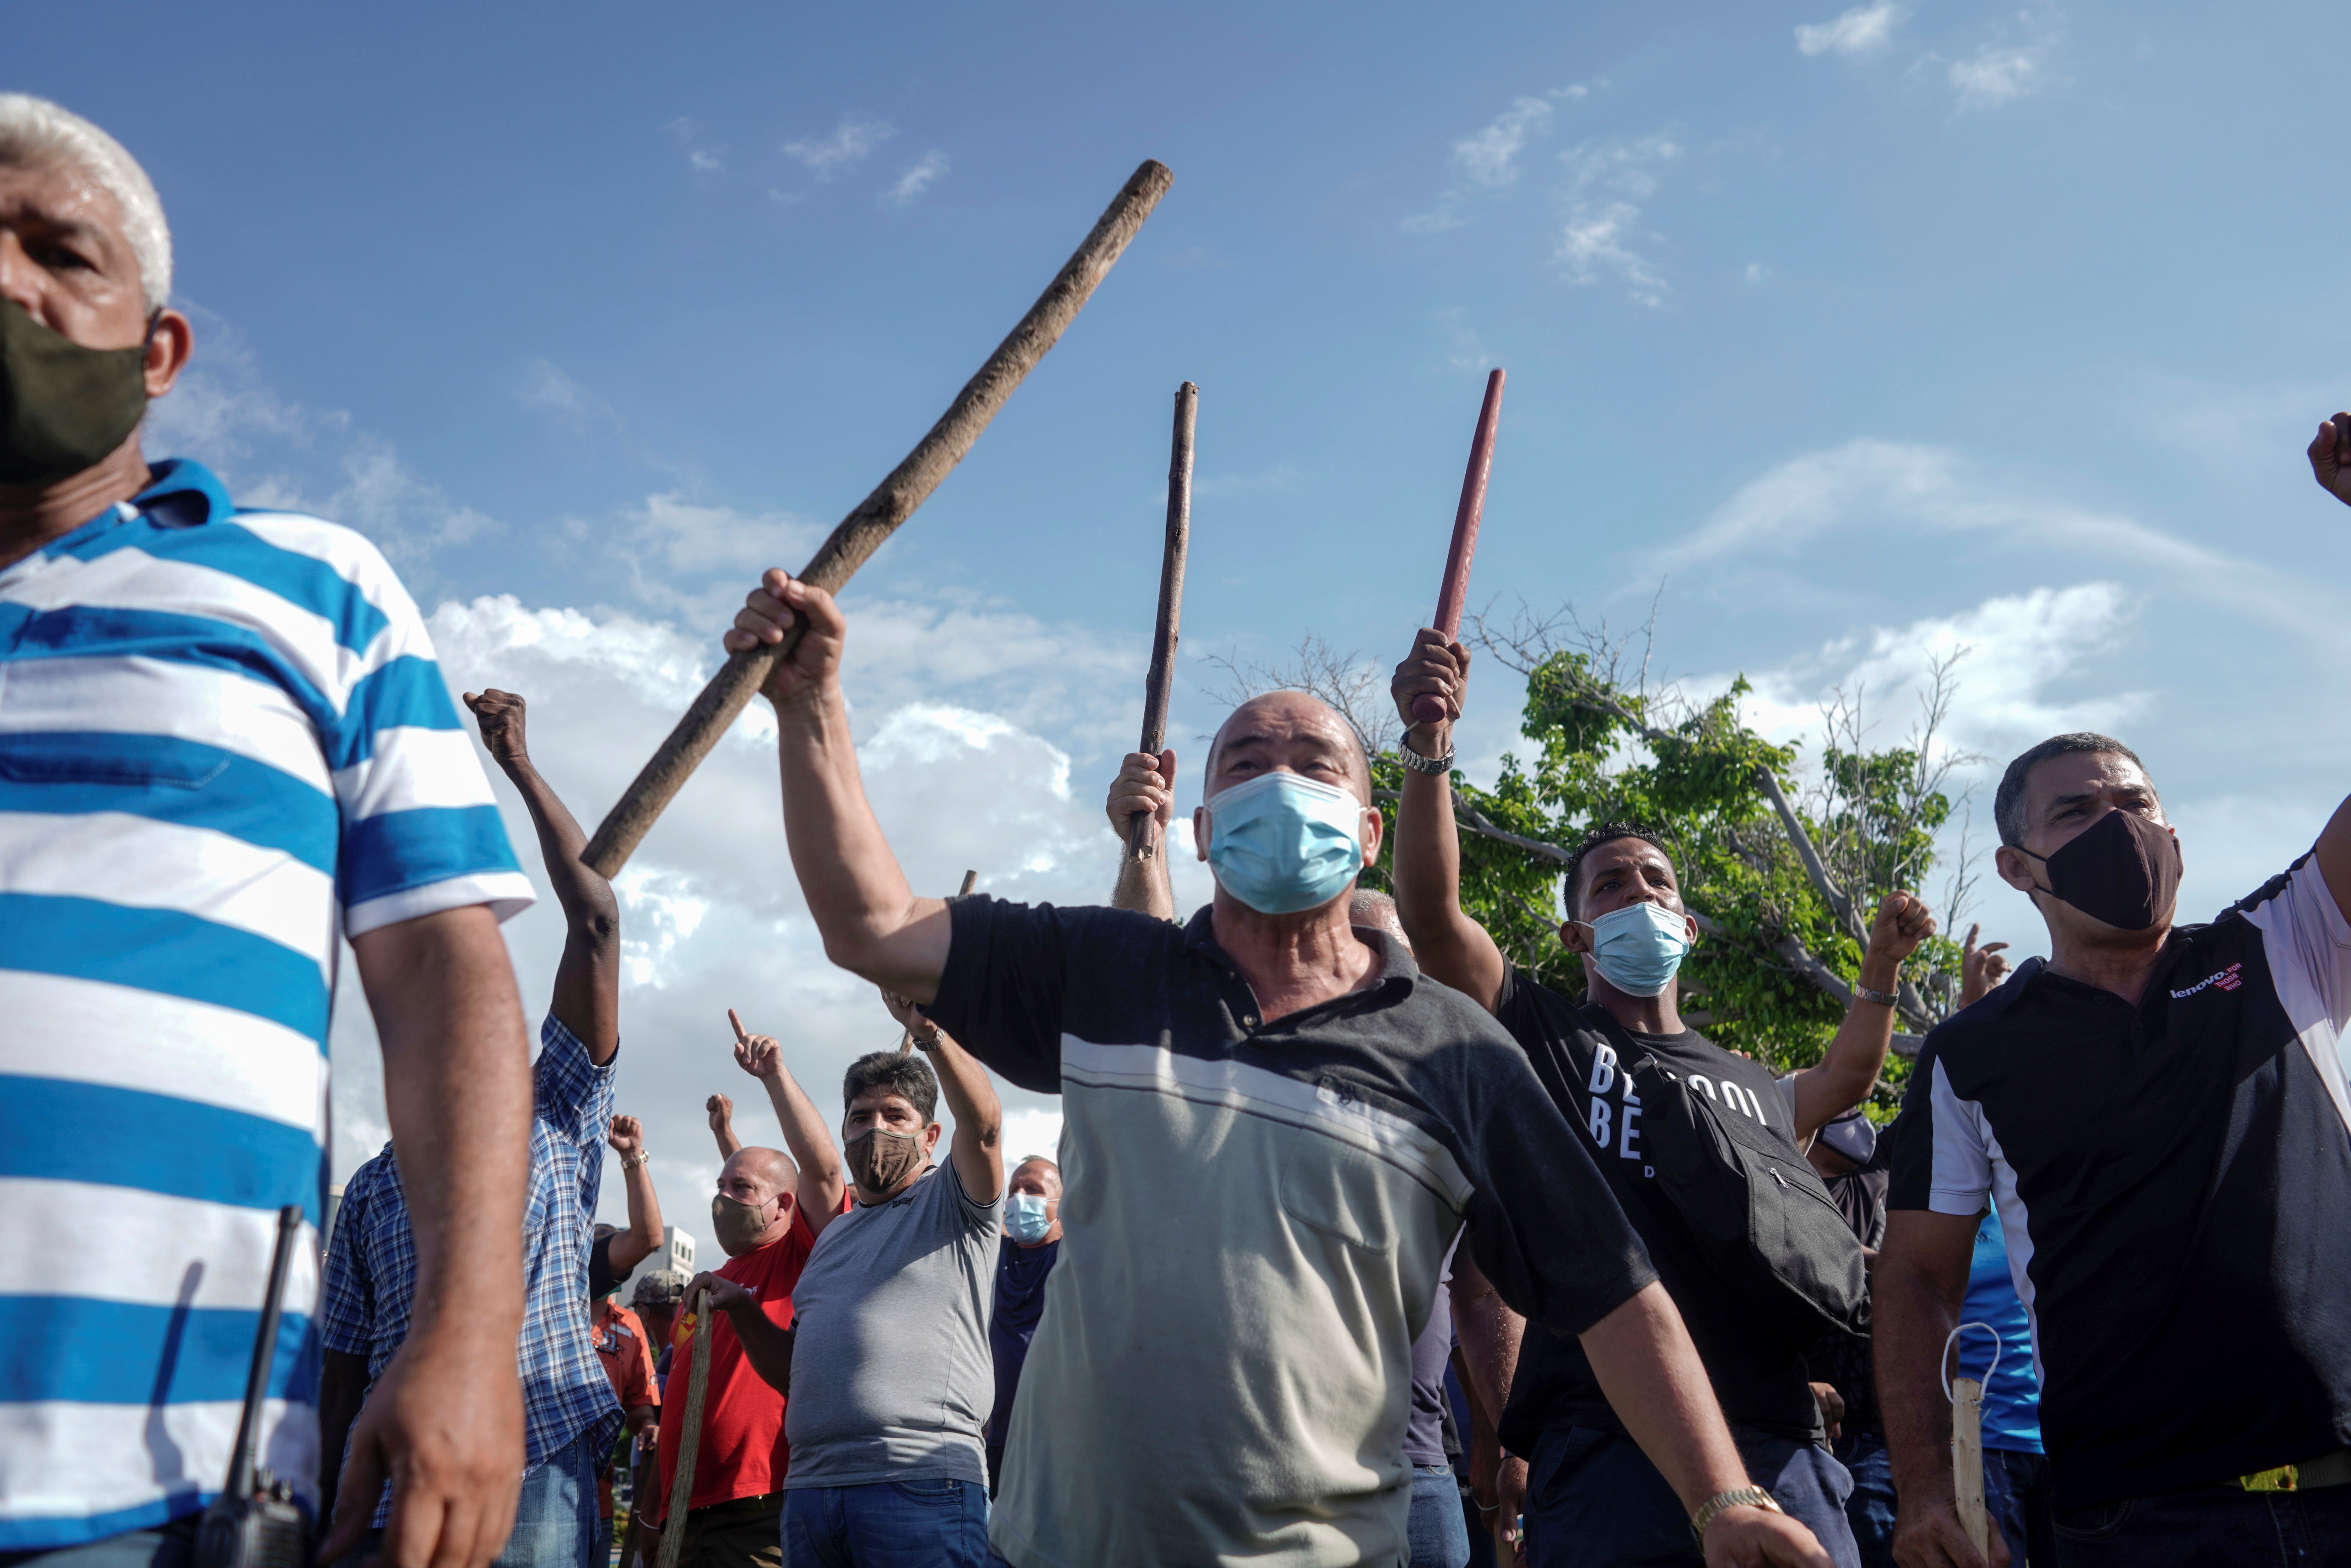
{"points": [[186, 477], [1397, 971]]}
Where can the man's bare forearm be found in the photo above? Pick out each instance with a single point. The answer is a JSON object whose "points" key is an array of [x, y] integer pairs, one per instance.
{"points": [[978, 1149], [1427, 862], [456, 1080], [1916, 1296], [872, 923], [1650, 1371], [768, 1348], [1143, 884], [643, 1236], [810, 1142], [587, 996], [1490, 1334]]}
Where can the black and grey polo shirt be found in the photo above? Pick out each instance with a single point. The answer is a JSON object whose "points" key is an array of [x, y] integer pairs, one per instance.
{"points": [[2174, 1182], [1253, 1221]]}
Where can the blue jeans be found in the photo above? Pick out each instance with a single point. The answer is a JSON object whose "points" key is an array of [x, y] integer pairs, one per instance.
{"points": [[1594, 1501], [1438, 1536], [2016, 1495], [555, 1516], [930, 1524], [1870, 1508], [2210, 1527]]}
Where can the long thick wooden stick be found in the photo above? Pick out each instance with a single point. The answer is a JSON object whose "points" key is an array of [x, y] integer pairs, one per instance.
{"points": [[1155, 687], [697, 1386], [892, 503], [1456, 586]]}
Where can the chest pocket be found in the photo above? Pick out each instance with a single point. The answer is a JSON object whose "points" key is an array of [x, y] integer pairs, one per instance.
{"points": [[1331, 1183]]}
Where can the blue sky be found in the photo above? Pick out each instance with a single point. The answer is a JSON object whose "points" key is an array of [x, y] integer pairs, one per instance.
{"points": [[1866, 332]]}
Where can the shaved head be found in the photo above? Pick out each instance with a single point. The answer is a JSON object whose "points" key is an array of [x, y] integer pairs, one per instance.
{"points": [[1291, 722], [771, 1169]]}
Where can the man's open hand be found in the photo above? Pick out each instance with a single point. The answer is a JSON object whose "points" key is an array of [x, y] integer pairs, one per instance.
{"points": [[2330, 457], [1145, 783], [443, 1424], [757, 1054], [499, 714], [772, 609], [1831, 1405], [1981, 968], [627, 1136]]}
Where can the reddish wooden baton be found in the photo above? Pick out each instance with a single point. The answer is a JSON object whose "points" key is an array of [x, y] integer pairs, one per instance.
{"points": [[1430, 709]]}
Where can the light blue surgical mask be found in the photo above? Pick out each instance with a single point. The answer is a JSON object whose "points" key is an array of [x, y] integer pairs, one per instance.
{"points": [[1025, 1217], [1284, 842], [1637, 949]]}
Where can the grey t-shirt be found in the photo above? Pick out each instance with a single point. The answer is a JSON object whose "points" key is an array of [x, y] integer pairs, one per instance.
{"points": [[891, 1377]]}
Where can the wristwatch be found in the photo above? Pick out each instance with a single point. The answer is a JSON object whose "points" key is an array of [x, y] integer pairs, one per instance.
{"points": [[1883, 999], [631, 1162], [1738, 1497], [1435, 767]]}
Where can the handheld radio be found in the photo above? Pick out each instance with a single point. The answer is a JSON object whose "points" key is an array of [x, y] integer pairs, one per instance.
{"points": [[256, 1523]]}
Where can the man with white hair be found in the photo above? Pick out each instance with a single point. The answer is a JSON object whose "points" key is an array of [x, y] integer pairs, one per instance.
{"points": [[1273, 1129], [225, 742]]}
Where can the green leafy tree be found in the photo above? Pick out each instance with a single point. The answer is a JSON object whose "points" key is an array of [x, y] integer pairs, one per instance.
{"points": [[1783, 867]]}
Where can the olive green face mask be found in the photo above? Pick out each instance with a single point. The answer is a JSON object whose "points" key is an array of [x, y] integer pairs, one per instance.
{"points": [[62, 407]]}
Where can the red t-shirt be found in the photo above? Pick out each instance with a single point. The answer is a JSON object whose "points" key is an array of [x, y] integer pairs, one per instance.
{"points": [[742, 1451]]}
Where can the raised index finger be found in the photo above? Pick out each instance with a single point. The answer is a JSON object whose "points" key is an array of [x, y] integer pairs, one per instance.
{"points": [[740, 1037]]}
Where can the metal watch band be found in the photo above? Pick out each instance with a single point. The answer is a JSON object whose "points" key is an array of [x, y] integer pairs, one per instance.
{"points": [[1883, 999], [1738, 1497], [1433, 765], [634, 1161]]}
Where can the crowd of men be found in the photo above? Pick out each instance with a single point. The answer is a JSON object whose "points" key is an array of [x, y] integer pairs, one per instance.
{"points": [[1349, 1194]]}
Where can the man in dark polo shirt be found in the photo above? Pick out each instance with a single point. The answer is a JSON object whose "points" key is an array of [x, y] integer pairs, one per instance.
{"points": [[2160, 1113], [1593, 1498], [1273, 1129]]}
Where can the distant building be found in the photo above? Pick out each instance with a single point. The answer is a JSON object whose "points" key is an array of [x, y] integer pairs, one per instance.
{"points": [[334, 1206], [677, 1255]]}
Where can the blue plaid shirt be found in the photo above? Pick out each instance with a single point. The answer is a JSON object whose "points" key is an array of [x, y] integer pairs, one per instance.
{"points": [[364, 1302]]}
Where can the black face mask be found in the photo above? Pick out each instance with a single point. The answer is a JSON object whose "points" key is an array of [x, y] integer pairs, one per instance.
{"points": [[62, 407], [2123, 870]]}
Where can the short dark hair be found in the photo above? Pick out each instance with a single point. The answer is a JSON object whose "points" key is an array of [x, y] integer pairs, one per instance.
{"points": [[2008, 802], [896, 1073], [1572, 880]]}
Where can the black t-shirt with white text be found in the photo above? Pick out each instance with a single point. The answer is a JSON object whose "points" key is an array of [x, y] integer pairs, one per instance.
{"points": [[2174, 1185], [1584, 1059]]}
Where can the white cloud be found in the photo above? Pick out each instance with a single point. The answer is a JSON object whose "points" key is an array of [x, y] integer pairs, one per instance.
{"points": [[712, 915], [1593, 245], [1876, 486], [852, 141], [1859, 31], [917, 180], [1490, 157], [1999, 73], [1606, 178], [702, 155]]}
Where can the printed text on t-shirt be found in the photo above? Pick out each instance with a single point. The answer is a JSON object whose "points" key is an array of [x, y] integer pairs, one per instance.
{"points": [[1619, 1126]]}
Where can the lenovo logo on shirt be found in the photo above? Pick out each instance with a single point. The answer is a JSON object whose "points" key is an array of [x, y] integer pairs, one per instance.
{"points": [[2228, 980]]}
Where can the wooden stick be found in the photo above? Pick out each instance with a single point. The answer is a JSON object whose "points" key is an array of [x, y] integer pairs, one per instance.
{"points": [[892, 503], [1967, 1461], [698, 1385], [1455, 589], [1156, 684]]}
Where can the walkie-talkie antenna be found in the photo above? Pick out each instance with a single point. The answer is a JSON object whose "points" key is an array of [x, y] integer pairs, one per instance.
{"points": [[265, 1347]]}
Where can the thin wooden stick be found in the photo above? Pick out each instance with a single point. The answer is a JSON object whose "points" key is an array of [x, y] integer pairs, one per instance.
{"points": [[1455, 589], [1157, 686], [698, 1385], [892, 503], [1967, 1462]]}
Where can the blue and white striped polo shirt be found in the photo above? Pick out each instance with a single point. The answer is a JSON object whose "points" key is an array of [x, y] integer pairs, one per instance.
{"points": [[221, 734]]}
